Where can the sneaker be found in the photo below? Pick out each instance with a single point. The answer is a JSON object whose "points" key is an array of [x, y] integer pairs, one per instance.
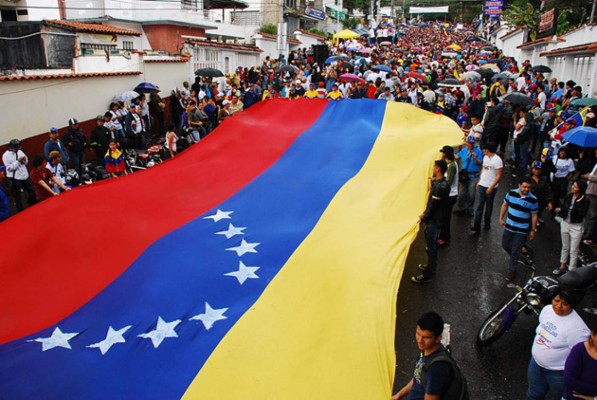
{"points": [[558, 271], [588, 242], [422, 267], [442, 242], [510, 276], [420, 279]]}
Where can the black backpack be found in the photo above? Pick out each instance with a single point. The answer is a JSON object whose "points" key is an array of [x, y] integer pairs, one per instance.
{"points": [[458, 389]]}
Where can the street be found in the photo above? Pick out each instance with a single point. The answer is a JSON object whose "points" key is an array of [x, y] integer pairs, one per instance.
{"points": [[469, 284]]}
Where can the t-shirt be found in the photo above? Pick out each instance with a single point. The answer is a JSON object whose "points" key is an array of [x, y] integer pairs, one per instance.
{"points": [[520, 210], [555, 336], [41, 174], [489, 171], [580, 373], [437, 378], [563, 166]]}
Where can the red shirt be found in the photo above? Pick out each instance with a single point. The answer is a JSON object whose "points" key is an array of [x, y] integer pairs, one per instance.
{"points": [[41, 174]]}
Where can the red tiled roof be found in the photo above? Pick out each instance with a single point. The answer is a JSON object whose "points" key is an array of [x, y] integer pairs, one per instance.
{"points": [[66, 76], [91, 28], [167, 60], [274, 37], [542, 40], [581, 48], [304, 32], [219, 45], [510, 33]]}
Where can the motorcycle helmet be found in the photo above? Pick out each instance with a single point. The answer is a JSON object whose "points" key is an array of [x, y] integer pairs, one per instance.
{"points": [[15, 144], [73, 121]]}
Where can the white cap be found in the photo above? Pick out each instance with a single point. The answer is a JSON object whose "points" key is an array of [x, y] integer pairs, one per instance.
{"points": [[225, 102]]}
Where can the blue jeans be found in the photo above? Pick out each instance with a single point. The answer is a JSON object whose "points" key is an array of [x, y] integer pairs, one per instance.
{"points": [[76, 160], [466, 201], [542, 380], [512, 242], [522, 157], [431, 234], [485, 202]]}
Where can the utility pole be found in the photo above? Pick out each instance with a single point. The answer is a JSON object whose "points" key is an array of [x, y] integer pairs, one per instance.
{"points": [[282, 27], [592, 12]]}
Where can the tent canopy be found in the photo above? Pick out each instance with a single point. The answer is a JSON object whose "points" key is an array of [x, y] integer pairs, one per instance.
{"points": [[428, 10], [346, 34]]}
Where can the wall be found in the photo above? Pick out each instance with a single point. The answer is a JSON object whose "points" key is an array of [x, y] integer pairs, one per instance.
{"points": [[510, 45], [269, 47], [168, 37], [307, 40], [31, 107], [100, 63]]}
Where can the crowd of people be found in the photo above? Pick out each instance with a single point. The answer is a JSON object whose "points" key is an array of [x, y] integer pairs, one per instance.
{"points": [[510, 114]]}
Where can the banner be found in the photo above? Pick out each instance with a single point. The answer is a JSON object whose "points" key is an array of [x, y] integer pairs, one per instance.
{"points": [[493, 7], [428, 10], [548, 23], [261, 263]]}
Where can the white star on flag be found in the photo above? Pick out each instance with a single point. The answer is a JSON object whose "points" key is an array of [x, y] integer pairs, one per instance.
{"points": [[210, 316], [244, 247], [231, 231], [219, 215], [58, 339], [162, 331], [112, 337], [244, 273]]}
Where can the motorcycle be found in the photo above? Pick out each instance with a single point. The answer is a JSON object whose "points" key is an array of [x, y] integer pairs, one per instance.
{"points": [[531, 298], [139, 160], [91, 173]]}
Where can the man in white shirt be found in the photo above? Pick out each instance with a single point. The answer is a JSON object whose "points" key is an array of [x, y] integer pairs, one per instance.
{"points": [[491, 174], [15, 161]]}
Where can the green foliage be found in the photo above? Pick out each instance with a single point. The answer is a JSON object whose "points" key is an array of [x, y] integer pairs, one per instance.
{"points": [[269, 28], [318, 32], [522, 14], [351, 23], [563, 22], [360, 5]]}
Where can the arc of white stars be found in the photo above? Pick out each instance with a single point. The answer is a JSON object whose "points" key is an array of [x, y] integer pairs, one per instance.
{"points": [[210, 316], [58, 339], [163, 330], [232, 231], [219, 215], [244, 247], [244, 273], [112, 337]]}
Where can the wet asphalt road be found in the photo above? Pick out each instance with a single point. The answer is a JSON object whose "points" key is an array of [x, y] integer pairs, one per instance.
{"points": [[468, 285]]}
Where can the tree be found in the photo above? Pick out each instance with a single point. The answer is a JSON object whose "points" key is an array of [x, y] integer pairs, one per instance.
{"points": [[522, 14], [269, 28]]}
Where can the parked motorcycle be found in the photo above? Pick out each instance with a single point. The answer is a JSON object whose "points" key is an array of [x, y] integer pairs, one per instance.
{"points": [[531, 298], [152, 156], [91, 173]]}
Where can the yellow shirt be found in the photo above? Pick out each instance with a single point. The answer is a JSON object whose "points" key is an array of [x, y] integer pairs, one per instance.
{"points": [[334, 95], [311, 94]]}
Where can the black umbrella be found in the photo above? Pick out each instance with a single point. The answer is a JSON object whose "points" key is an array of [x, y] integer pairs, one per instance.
{"points": [[541, 68], [489, 48], [347, 66], [497, 61], [288, 68], [450, 82], [485, 72], [209, 72], [517, 98], [146, 87], [474, 39]]}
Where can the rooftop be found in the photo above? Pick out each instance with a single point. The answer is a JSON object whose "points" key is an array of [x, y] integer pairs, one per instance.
{"points": [[91, 27], [65, 76]]}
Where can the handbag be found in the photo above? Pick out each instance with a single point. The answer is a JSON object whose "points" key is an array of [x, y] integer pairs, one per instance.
{"points": [[463, 176]]}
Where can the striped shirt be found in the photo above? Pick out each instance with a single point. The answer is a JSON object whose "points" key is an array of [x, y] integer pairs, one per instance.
{"points": [[520, 210]]}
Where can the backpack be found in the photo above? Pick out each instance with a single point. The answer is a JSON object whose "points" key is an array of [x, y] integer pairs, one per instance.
{"points": [[458, 389]]}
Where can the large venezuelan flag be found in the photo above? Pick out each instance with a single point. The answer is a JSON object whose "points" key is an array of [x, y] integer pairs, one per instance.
{"points": [[263, 263]]}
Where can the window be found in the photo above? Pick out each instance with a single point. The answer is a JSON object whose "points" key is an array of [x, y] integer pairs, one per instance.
{"points": [[95, 46], [189, 5], [128, 45]]}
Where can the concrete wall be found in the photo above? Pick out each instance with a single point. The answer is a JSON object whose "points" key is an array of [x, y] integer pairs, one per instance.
{"points": [[269, 47], [307, 40], [168, 37], [101, 63], [510, 44]]}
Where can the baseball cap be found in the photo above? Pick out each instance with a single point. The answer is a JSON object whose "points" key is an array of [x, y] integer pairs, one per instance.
{"points": [[537, 165], [447, 150], [225, 102], [546, 151], [99, 118], [553, 109], [470, 139], [53, 130]]}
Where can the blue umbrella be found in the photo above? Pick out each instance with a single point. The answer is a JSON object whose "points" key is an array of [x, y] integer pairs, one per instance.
{"points": [[383, 68], [583, 136], [146, 87]]}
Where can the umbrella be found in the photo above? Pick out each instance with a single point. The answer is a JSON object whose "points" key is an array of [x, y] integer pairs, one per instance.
{"points": [[541, 68], [418, 75], [517, 98], [386, 43], [365, 51], [288, 68], [416, 49], [502, 75], [449, 54], [471, 67], [583, 136], [209, 72], [454, 47], [496, 61], [473, 39], [146, 87], [450, 82], [126, 96], [473, 76], [350, 78], [492, 67], [585, 101], [383, 68], [489, 47], [340, 57], [485, 72], [347, 66]]}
